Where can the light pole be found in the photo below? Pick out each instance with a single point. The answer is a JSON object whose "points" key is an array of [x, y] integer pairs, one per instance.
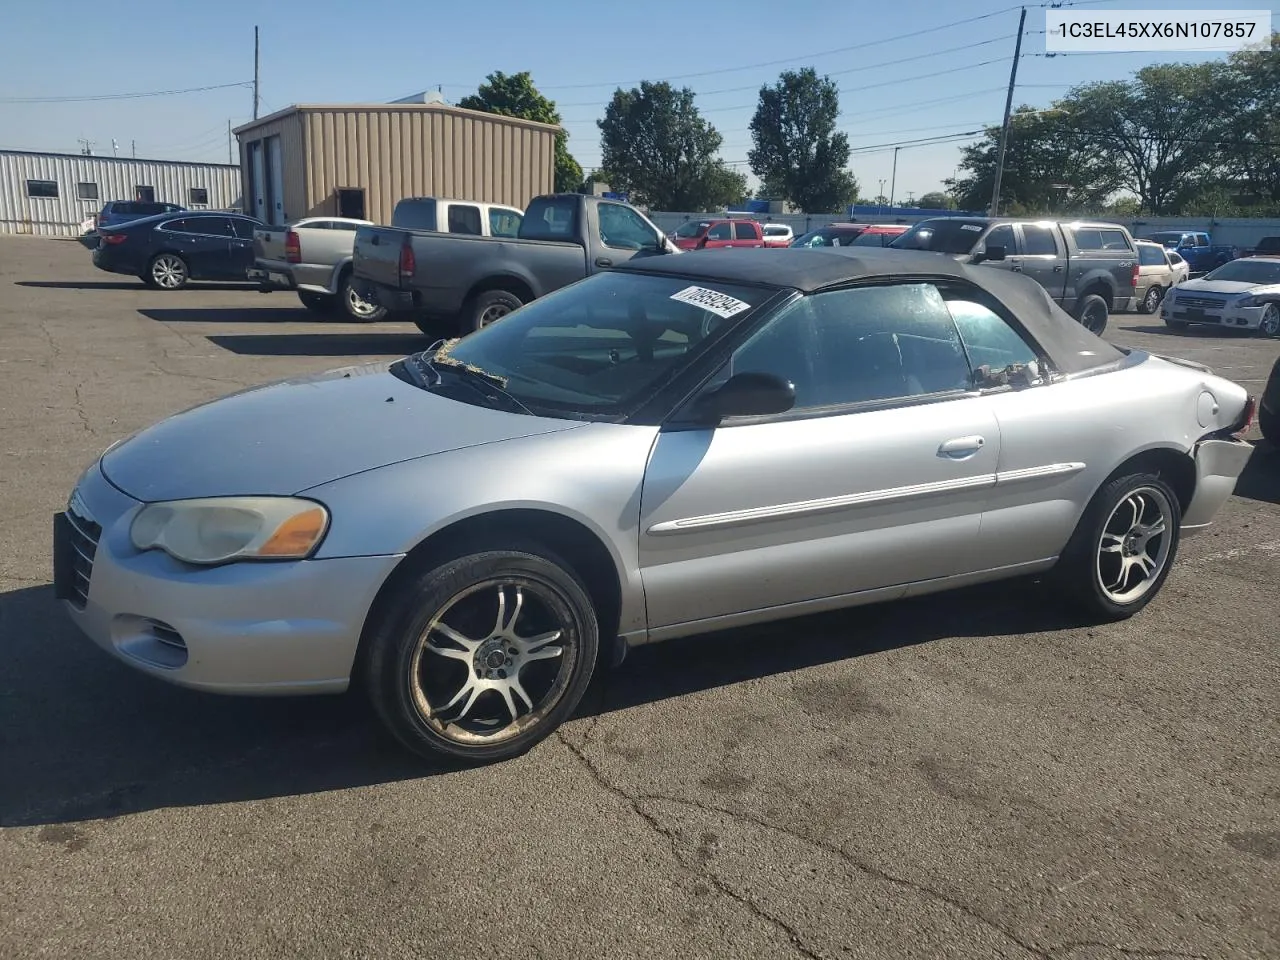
{"points": [[893, 183], [880, 195]]}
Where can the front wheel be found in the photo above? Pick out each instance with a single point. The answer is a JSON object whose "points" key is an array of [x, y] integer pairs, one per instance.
{"points": [[1152, 300], [1123, 548], [1092, 314], [483, 656], [1269, 325]]}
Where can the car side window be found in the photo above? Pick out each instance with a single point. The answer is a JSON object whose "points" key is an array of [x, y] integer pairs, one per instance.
{"points": [[464, 219], [1089, 239], [1001, 236], [745, 231], [318, 225], [1114, 240], [503, 223], [721, 231], [214, 226], [1151, 256], [1038, 241], [998, 354], [624, 229], [863, 344], [179, 226], [243, 229]]}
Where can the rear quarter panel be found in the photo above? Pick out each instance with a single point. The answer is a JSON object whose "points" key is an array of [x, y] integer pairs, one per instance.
{"points": [[1096, 423], [451, 266]]}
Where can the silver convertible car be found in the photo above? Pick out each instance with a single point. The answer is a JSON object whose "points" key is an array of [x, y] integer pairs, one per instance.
{"points": [[678, 445]]}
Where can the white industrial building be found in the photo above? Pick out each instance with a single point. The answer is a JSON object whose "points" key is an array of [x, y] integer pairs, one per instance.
{"points": [[49, 194]]}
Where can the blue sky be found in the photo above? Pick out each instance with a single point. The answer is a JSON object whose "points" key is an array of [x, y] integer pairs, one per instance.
{"points": [[894, 88]]}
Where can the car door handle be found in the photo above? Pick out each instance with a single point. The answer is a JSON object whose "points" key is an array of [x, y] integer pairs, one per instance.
{"points": [[1057, 268], [961, 448], [1017, 268], [603, 262]]}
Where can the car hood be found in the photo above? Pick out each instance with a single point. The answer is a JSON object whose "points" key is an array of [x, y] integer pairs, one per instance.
{"points": [[285, 437], [1230, 287]]}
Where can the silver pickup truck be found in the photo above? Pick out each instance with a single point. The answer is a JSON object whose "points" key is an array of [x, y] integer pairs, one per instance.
{"points": [[313, 256]]}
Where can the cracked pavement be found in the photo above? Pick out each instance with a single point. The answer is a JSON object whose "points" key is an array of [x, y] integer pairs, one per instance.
{"points": [[971, 775]]}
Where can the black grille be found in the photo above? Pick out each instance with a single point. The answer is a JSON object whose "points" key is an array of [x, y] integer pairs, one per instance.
{"points": [[1203, 303], [84, 544]]}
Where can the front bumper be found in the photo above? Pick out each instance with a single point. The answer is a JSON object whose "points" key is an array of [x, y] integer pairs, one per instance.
{"points": [[246, 628], [1242, 318], [1219, 464]]}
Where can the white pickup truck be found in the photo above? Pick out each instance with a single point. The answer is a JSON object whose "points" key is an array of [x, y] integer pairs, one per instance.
{"points": [[313, 256]]}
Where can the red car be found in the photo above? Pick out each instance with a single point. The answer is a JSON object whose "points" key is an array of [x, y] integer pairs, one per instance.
{"points": [[711, 234]]}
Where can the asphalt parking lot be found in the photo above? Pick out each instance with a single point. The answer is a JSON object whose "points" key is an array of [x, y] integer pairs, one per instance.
{"points": [[967, 776]]}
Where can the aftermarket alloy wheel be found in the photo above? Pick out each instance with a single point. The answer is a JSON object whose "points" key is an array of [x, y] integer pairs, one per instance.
{"points": [[168, 271], [356, 306], [1124, 546], [483, 656]]}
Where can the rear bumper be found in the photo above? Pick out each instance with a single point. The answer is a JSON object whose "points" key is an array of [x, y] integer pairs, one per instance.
{"points": [[1219, 464], [393, 299], [271, 275]]}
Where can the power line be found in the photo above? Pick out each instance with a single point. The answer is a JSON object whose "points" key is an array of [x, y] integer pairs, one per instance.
{"points": [[124, 96]]}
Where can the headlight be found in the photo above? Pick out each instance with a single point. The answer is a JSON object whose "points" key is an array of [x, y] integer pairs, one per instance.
{"points": [[219, 529], [1249, 301]]}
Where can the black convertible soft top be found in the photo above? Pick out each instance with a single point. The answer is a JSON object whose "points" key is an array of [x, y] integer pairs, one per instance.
{"points": [[1071, 347]]}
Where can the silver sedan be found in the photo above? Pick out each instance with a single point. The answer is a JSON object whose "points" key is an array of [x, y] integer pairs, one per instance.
{"points": [[679, 445]]}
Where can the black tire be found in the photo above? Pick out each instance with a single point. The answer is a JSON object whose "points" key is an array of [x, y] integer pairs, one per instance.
{"points": [[1269, 325], [488, 307], [1150, 302], [1177, 326], [1269, 424], [430, 326], [167, 271], [1080, 570], [355, 306], [1091, 313], [316, 302], [397, 683]]}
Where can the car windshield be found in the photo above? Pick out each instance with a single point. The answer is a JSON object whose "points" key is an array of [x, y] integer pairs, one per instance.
{"points": [[941, 236], [693, 228], [773, 230], [1247, 271], [825, 238], [599, 348]]}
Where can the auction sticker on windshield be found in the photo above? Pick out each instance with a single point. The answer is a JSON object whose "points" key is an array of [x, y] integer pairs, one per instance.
{"points": [[713, 301]]}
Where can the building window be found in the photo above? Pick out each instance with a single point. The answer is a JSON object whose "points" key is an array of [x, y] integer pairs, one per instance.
{"points": [[42, 188], [198, 196], [145, 194], [86, 191]]}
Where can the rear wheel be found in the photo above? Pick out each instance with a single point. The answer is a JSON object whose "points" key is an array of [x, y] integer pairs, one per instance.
{"points": [[356, 306], [1123, 548], [1152, 300], [490, 307], [483, 656], [1092, 314], [167, 271]]}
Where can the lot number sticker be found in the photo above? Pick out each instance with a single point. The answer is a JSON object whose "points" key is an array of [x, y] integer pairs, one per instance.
{"points": [[713, 301]]}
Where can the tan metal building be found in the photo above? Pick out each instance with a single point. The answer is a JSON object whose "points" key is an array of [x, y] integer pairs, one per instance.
{"points": [[358, 160]]}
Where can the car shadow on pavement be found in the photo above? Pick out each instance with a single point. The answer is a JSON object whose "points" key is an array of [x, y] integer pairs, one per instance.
{"points": [[1201, 332], [389, 342], [1261, 477], [245, 314], [127, 285], [83, 737]]}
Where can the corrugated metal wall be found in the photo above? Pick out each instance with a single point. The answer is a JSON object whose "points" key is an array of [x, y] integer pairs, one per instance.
{"points": [[287, 125], [116, 179], [395, 151]]}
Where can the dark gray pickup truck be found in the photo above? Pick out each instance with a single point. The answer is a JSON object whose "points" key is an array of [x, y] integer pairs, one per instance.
{"points": [[475, 280], [1090, 269]]}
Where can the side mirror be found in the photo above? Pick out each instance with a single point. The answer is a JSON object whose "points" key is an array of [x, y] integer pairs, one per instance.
{"points": [[747, 394], [996, 253]]}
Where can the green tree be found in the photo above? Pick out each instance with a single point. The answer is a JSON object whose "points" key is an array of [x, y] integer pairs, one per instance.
{"points": [[936, 200], [797, 146], [1045, 169], [660, 150], [1249, 153], [515, 95]]}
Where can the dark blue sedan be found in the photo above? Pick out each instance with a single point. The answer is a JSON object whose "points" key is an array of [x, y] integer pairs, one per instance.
{"points": [[168, 250]]}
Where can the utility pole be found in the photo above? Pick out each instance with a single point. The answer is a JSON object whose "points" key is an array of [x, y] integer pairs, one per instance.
{"points": [[134, 145], [911, 198], [255, 71], [229, 160], [893, 183], [880, 195], [1008, 107], [88, 146], [115, 147]]}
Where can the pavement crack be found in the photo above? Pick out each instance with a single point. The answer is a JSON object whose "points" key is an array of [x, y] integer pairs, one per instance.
{"points": [[84, 417], [673, 839], [1153, 952], [863, 867]]}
